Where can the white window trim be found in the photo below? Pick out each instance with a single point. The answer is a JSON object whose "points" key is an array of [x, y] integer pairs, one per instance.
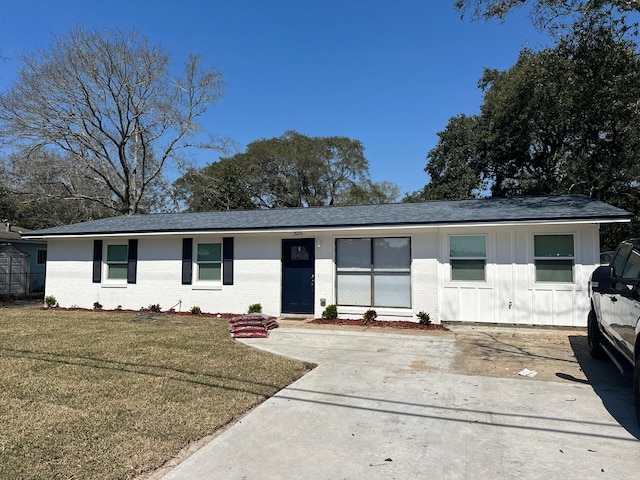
{"points": [[112, 282], [449, 279], [534, 283], [197, 284]]}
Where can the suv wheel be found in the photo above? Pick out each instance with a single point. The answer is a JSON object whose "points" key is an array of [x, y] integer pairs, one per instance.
{"points": [[594, 337]]}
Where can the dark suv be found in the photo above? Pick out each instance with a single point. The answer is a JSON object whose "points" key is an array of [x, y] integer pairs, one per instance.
{"points": [[613, 326]]}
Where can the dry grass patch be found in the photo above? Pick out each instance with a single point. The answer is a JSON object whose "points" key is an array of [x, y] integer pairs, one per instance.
{"points": [[97, 395]]}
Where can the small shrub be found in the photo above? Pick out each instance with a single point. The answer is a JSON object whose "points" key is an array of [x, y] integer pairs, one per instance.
{"points": [[97, 306], [50, 301], [423, 318], [255, 308], [370, 315], [330, 313], [155, 308], [195, 310]]}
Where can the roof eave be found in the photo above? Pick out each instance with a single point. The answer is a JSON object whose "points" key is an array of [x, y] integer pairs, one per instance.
{"points": [[346, 226]]}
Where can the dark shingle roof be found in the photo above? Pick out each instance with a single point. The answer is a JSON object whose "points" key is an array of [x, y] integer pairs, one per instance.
{"points": [[13, 234], [505, 210]]}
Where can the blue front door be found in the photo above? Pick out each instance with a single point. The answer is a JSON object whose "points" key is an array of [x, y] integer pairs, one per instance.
{"points": [[298, 275]]}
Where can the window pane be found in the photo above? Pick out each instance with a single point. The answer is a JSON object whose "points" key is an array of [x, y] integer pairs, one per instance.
{"points": [[117, 272], [354, 289], [554, 271], [209, 252], [391, 254], [210, 271], [468, 246], [620, 258], [467, 270], [116, 253], [632, 267], [299, 252], [553, 245], [353, 253], [392, 290]]}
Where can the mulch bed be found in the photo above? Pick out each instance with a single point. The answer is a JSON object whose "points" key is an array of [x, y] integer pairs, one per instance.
{"points": [[145, 313], [403, 324]]}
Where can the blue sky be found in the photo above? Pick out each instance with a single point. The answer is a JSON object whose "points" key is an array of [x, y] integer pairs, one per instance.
{"points": [[389, 74]]}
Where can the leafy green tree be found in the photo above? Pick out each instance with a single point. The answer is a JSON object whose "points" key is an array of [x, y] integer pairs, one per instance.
{"points": [[292, 170], [562, 120], [220, 185], [369, 193], [454, 168], [107, 104], [565, 119], [295, 170], [552, 14]]}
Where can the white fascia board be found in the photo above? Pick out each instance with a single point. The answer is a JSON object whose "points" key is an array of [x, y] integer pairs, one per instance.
{"points": [[535, 222]]}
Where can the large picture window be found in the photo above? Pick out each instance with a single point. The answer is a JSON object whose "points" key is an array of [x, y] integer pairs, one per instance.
{"points": [[468, 257], [554, 258], [117, 255], [374, 272], [209, 262]]}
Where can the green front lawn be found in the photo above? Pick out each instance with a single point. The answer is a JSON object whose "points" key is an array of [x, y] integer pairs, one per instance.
{"points": [[99, 395]]}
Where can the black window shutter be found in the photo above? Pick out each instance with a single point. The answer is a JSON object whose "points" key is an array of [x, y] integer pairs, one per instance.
{"points": [[227, 261], [97, 261], [187, 260], [132, 261]]}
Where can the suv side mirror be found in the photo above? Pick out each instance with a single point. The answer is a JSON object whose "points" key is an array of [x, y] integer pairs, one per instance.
{"points": [[602, 279]]}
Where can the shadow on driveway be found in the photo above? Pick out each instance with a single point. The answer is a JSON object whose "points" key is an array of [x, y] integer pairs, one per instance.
{"points": [[614, 389]]}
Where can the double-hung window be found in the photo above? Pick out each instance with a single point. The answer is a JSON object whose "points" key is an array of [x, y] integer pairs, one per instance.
{"points": [[117, 255], [554, 258], [374, 272], [209, 262], [468, 257]]}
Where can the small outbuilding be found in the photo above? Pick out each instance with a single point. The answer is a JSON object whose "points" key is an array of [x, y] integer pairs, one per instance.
{"points": [[512, 261], [14, 270], [36, 249]]}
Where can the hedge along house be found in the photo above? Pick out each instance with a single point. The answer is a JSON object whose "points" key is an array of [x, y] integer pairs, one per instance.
{"points": [[515, 261]]}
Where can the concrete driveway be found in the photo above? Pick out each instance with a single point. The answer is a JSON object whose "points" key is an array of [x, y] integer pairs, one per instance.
{"points": [[385, 406]]}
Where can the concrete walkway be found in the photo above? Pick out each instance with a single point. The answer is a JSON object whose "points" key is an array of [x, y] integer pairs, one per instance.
{"points": [[381, 406]]}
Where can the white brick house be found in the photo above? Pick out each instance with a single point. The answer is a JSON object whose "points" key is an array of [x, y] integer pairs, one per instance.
{"points": [[514, 261]]}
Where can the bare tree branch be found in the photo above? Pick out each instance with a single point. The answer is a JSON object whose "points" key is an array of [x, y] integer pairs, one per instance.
{"points": [[108, 102]]}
